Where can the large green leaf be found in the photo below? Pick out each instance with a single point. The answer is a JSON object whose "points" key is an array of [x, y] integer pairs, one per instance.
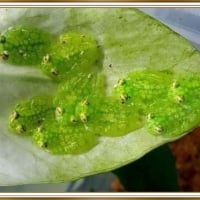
{"points": [[130, 40]]}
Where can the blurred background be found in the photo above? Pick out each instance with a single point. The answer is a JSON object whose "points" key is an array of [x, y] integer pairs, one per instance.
{"points": [[186, 22]]}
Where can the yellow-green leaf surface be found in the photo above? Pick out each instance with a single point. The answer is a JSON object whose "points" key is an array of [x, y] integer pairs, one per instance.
{"points": [[130, 41]]}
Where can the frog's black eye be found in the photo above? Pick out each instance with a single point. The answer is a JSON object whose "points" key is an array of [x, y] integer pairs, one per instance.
{"points": [[5, 55], [54, 72], [20, 129], [46, 58]]}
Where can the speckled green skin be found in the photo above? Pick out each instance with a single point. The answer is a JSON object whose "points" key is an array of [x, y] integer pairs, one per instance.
{"points": [[74, 97], [113, 119], [68, 132], [24, 45], [75, 137], [70, 54], [83, 114], [179, 111], [58, 138], [141, 89], [169, 103], [59, 125], [88, 105], [79, 113], [29, 115], [77, 116]]}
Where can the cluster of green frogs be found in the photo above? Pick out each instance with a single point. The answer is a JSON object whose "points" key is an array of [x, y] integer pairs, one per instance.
{"points": [[72, 120]]}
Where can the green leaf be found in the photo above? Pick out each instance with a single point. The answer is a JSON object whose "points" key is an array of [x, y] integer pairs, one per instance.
{"points": [[130, 40]]}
